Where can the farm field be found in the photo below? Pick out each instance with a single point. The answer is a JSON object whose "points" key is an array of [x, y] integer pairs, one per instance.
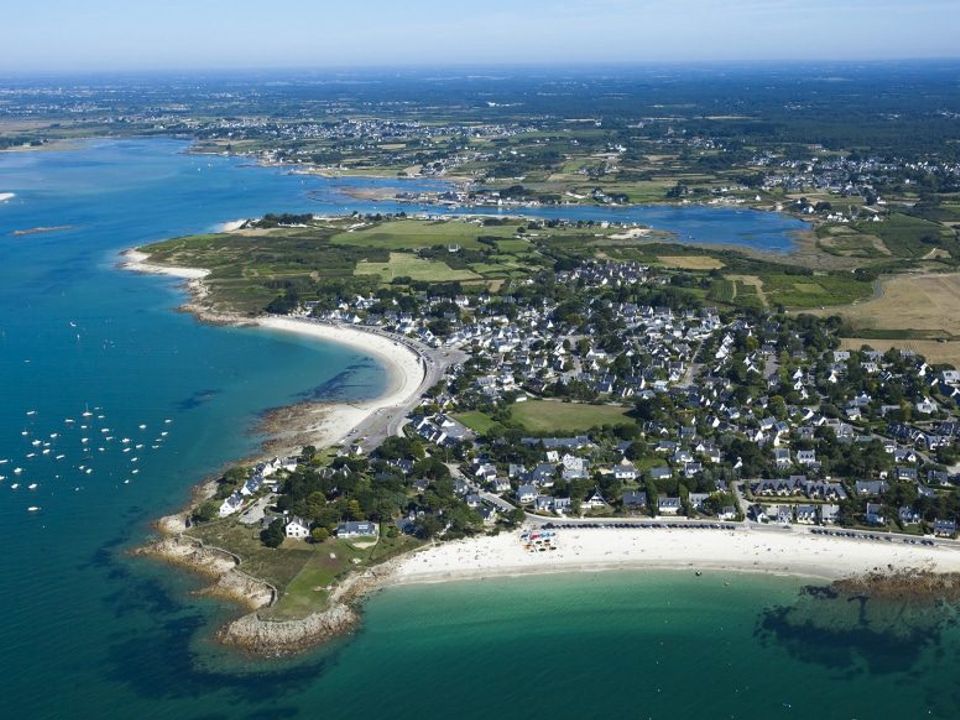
{"points": [[407, 265], [690, 262], [911, 306], [415, 234]]}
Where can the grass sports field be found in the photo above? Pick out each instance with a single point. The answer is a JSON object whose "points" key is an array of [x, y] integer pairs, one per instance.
{"points": [[549, 416]]}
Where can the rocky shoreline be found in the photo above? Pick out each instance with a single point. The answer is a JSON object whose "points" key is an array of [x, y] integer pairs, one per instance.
{"points": [[230, 583], [262, 636], [253, 632], [915, 586]]}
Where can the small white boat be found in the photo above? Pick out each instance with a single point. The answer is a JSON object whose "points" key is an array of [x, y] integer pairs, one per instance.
{"points": [[127, 481], [17, 471], [2, 478], [134, 459], [69, 421], [154, 446], [138, 446], [4, 461], [32, 486], [164, 433], [101, 417], [87, 413], [46, 451], [54, 436], [31, 455], [89, 470], [126, 449], [168, 421], [83, 427], [36, 443], [84, 440], [60, 457], [24, 433], [104, 430], [15, 486], [134, 471], [143, 427], [125, 440], [31, 412], [33, 508]]}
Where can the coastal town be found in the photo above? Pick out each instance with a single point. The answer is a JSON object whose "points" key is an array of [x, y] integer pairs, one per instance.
{"points": [[679, 411], [575, 359], [613, 335]]}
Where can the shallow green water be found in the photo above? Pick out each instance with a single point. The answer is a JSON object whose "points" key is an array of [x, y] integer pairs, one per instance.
{"points": [[637, 645]]}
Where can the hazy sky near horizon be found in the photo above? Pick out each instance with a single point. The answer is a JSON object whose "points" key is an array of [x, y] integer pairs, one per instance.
{"points": [[57, 35]]}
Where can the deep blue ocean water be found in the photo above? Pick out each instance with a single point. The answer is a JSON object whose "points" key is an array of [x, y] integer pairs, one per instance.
{"points": [[87, 632]]}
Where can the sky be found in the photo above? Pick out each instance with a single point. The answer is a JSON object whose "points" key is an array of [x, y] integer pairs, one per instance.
{"points": [[130, 35]]}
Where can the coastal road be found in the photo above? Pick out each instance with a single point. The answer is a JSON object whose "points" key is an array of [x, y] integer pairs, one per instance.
{"points": [[388, 421]]}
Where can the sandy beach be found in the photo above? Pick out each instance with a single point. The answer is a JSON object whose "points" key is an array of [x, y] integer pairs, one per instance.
{"points": [[768, 550], [404, 366], [321, 425]]}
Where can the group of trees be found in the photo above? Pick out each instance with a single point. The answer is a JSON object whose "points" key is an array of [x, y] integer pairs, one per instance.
{"points": [[375, 490]]}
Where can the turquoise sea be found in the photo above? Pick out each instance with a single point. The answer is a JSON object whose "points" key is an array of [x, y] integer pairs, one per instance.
{"points": [[88, 632]]}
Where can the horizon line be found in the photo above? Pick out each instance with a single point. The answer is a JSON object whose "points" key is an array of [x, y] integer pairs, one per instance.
{"points": [[474, 65]]}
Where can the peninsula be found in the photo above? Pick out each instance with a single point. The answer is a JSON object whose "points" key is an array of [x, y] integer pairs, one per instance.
{"points": [[563, 397]]}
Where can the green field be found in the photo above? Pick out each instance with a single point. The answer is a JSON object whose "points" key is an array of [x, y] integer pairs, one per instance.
{"points": [[477, 421], [811, 291], [407, 265], [305, 592], [416, 234], [547, 416], [299, 570], [907, 236]]}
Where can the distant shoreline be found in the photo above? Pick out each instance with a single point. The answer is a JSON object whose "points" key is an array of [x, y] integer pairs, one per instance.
{"points": [[43, 229]]}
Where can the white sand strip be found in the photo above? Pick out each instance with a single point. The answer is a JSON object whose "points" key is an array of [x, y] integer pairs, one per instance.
{"points": [[138, 262], [406, 369], [404, 366], [773, 551], [230, 226]]}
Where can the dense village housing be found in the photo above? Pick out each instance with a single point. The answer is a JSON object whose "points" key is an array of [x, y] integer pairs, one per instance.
{"points": [[734, 416]]}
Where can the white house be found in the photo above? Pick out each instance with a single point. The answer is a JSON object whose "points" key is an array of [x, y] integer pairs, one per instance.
{"points": [[297, 527]]}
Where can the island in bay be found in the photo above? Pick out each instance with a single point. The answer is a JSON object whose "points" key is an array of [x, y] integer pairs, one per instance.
{"points": [[563, 396]]}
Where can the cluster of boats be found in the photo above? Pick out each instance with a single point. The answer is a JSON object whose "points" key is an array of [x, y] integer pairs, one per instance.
{"points": [[76, 446]]}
